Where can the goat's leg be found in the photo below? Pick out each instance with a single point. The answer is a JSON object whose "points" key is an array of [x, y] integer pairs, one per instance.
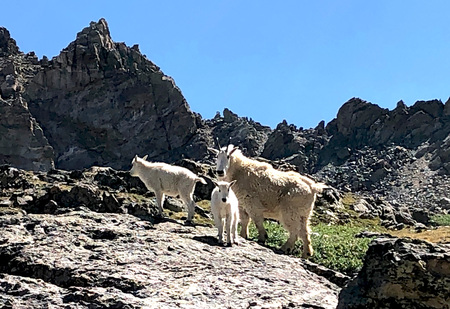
{"points": [[292, 225], [305, 233], [228, 227], [234, 223], [289, 245], [190, 204], [259, 222], [160, 202], [298, 229], [219, 225], [245, 220], [256, 213]]}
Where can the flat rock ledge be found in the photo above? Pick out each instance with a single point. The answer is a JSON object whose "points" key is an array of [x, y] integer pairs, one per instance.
{"points": [[85, 259]]}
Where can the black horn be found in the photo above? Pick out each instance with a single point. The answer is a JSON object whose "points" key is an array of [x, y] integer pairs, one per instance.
{"points": [[217, 142], [228, 144]]}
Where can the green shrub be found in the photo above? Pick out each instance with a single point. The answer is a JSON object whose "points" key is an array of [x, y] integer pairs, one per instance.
{"points": [[442, 220]]}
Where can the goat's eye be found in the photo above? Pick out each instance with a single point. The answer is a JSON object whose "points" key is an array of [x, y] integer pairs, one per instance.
{"points": [[220, 190], [228, 157]]}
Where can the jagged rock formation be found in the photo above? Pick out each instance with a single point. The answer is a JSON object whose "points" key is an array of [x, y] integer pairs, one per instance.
{"points": [[247, 133], [22, 141], [101, 102], [362, 124], [400, 273], [296, 146], [87, 239]]}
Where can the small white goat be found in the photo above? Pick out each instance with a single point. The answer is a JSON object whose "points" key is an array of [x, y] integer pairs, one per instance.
{"points": [[165, 179], [265, 192], [225, 207]]}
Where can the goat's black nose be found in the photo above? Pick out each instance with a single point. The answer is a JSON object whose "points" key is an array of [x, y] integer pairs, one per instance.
{"points": [[224, 200], [220, 173]]}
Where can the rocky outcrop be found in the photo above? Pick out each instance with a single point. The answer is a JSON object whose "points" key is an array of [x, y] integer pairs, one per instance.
{"points": [[22, 141], [89, 239], [8, 45], [400, 273], [100, 102], [296, 146], [248, 134], [362, 124]]}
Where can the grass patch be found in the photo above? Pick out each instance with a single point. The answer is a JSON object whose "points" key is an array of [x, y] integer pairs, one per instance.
{"points": [[335, 246], [441, 234], [348, 199], [205, 204], [441, 220], [277, 235]]}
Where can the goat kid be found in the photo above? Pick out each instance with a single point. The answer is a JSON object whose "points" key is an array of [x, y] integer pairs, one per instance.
{"points": [[165, 179], [225, 209]]}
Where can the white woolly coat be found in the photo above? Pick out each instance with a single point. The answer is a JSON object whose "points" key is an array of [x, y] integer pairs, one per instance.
{"points": [[170, 179], [279, 195]]}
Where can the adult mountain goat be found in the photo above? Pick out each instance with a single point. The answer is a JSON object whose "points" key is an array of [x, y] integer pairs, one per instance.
{"points": [[165, 179], [264, 192]]}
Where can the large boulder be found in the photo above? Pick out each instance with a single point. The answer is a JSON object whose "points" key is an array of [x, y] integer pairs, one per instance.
{"points": [[400, 273]]}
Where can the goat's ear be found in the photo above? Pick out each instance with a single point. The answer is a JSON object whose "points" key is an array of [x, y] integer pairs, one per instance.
{"points": [[233, 150], [212, 150], [145, 157], [231, 184]]}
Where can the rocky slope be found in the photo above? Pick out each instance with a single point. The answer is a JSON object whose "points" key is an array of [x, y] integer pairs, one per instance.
{"points": [[89, 240]]}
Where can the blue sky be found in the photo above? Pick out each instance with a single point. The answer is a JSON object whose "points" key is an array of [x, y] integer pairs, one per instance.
{"points": [[267, 60]]}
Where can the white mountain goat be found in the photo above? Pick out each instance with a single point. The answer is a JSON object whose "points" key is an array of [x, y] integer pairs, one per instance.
{"points": [[165, 179], [265, 192], [224, 207]]}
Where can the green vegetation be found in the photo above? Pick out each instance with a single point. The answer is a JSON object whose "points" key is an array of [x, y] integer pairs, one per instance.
{"points": [[335, 246], [441, 220]]}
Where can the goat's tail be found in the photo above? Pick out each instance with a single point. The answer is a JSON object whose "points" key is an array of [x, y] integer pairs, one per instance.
{"points": [[200, 179], [318, 187]]}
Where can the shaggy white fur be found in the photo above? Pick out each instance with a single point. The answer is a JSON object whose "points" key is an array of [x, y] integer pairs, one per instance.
{"points": [[225, 209], [265, 192], [165, 179]]}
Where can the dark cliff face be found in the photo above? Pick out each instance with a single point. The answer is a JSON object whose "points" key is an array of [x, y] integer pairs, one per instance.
{"points": [[22, 142], [101, 102]]}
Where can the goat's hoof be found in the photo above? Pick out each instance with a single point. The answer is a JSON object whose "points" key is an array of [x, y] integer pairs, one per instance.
{"points": [[160, 217], [307, 255], [189, 223], [229, 244], [262, 240]]}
